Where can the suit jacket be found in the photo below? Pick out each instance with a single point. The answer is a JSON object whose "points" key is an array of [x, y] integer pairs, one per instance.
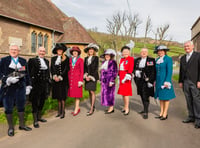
{"points": [[5, 71], [61, 70], [35, 72], [190, 69], [148, 75], [92, 69]]}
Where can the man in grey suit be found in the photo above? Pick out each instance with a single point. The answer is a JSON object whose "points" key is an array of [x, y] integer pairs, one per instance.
{"points": [[189, 80]]}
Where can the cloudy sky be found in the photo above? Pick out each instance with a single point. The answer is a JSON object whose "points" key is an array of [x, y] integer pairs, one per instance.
{"points": [[180, 14]]}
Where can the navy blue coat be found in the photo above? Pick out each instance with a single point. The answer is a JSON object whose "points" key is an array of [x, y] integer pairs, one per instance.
{"points": [[5, 71]]}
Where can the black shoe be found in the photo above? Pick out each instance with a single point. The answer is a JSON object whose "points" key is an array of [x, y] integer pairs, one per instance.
{"points": [[42, 120], [141, 112], [123, 111], [58, 115], [90, 113], [164, 118], [158, 117], [125, 114], [197, 126], [26, 128], [36, 125], [107, 112], [11, 132], [188, 120], [145, 116], [62, 116]]}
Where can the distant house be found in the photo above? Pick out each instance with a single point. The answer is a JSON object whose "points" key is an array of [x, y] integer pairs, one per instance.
{"points": [[196, 34], [34, 23]]}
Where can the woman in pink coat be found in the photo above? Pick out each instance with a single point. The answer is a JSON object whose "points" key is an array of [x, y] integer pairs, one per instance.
{"points": [[76, 78]]}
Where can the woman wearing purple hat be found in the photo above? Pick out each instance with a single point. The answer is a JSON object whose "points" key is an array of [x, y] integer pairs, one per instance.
{"points": [[76, 78], [108, 75]]}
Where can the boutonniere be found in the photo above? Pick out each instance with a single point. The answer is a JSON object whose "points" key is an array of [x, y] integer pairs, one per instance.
{"points": [[150, 63], [23, 68], [126, 62]]}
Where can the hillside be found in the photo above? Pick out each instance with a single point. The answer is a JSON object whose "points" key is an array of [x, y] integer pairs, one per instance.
{"points": [[106, 41]]}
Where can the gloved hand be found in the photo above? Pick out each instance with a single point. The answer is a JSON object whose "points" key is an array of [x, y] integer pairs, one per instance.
{"points": [[12, 80], [80, 84], [149, 85], [138, 73], [28, 89], [127, 77]]}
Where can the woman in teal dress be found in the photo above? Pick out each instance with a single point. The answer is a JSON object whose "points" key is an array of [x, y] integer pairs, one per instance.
{"points": [[164, 90]]}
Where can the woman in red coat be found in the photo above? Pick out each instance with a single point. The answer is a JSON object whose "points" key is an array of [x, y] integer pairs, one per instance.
{"points": [[125, 76], [76, 78]]}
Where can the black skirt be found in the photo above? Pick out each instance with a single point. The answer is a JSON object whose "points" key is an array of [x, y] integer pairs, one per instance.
{"points": [[91, 85], [59, 90]]}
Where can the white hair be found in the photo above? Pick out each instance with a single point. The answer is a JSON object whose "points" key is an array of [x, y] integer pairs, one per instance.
{"points": [[144, 49], [14, 44], [191, 42]]}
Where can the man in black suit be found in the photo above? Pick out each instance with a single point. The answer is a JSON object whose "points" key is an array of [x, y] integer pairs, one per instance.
{"points": [[145, 74], [15, 86], [189, 80], [40, 76]]}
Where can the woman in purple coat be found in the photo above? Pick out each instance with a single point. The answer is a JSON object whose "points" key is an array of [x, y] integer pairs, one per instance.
{"points": [[108, 75]]}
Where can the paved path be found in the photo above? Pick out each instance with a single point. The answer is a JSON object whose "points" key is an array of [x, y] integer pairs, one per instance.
{"points": [[112, 131]]}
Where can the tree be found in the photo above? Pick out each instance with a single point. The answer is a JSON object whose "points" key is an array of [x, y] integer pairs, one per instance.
{"points": [[148, 28], [161, 31]]}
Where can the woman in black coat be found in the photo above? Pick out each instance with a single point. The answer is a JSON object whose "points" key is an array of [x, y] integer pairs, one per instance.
{"points": [[91, 64], [59, 71]]}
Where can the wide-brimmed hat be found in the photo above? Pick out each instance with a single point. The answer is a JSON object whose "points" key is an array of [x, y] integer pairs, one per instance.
{"points": [[75, 48], [59, 46], [93, 46], [110, 52], [125, 47], [160, 47]]}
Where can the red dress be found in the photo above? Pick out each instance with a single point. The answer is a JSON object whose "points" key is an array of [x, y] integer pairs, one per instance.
{"points": [[125, 67], [75, 75]]}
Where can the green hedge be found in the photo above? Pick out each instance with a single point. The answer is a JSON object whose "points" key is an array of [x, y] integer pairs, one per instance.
{"points": [[50, 105]]}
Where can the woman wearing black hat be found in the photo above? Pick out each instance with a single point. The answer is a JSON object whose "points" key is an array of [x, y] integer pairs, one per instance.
{"points": [[59, 71], [125, 77], [164, 90], [91, 65]]}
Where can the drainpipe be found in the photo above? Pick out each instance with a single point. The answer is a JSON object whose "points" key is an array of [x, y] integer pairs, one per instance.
{"points": [[53, 41]]}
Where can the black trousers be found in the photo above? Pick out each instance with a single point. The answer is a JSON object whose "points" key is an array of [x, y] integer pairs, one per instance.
{"points": [[192, 95], [144, 97], [38, 97]]}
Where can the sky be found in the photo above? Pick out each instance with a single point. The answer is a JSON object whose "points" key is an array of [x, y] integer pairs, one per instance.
{"points": [[180, 14]]}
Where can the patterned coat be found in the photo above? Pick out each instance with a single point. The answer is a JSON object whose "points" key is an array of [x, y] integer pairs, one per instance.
{"points": [[75, 75], [164, 74], [107, 76]]}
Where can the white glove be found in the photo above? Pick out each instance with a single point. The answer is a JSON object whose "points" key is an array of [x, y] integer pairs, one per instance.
{"points": [[168, 85], [80, 84], [138, 73], [12, 80], [127, 77], [28, 89], [149, 85]]}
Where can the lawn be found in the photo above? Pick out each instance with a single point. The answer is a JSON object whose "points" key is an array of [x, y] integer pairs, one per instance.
{"points": [[50, 105]]}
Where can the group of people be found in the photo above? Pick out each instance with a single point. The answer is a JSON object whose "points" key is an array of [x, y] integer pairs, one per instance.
{"points": [[67, 75]]}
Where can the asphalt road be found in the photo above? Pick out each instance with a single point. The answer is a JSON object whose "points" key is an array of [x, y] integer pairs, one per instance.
{"points": [[112, 131]]}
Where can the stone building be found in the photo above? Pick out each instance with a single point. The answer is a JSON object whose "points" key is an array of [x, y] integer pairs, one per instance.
{"points": [[196, 34], [34, 23]]}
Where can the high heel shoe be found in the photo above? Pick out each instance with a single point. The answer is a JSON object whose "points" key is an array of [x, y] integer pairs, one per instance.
{"points": [[74, 114], [164, 118], [107, 112], [62, 116], [90, 113], [158, 117], [125, 114], [123, 111]]}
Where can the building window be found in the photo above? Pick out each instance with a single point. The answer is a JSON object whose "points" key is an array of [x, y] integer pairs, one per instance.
{"points": [[46, 42], [33, 41], [40, 39]]}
